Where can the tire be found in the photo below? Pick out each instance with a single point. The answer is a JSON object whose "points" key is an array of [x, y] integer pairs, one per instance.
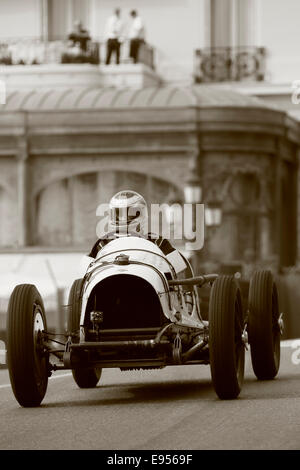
{"points": [[226, 348], [84, 378], [28, 363], [263, 328]]}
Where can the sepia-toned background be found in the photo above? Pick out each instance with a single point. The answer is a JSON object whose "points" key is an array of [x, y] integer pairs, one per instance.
{"points": [[210, 96]]}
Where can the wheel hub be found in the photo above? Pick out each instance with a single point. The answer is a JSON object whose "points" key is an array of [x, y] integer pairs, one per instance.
{"points": [[38, 328], [245, 337], [281, 323]]}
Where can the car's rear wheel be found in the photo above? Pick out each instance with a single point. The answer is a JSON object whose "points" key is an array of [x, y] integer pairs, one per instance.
{"points": [[84, 377], [28, 361], [226, 347], [263, 328]]}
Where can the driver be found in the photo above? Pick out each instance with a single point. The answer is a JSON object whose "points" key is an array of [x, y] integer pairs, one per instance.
{"points": [[128, 215]]}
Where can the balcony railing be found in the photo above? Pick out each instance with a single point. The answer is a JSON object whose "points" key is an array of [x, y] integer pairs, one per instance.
{"points": [[34, 51], [219, 64]]}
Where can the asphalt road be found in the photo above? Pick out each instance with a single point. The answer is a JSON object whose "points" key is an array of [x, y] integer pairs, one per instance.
{"points": [[173, 408]]}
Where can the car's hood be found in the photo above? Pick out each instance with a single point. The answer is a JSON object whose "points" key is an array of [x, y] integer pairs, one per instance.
{"points": [[137, 249], [146, 261]]}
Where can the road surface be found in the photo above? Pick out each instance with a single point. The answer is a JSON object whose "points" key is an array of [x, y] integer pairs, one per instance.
{"points": [[173, 408]]}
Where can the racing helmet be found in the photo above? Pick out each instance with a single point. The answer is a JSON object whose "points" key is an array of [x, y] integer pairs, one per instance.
{"points": [[128, 213]]}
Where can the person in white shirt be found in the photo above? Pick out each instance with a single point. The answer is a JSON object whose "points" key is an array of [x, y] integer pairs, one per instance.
{"points": [[113, 36], [136, 35]]}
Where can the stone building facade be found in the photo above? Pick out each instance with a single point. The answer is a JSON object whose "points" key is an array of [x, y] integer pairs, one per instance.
{"points": [[64, 151]]}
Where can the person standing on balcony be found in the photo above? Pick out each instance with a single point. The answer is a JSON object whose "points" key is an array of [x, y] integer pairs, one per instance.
{"points": [[79, 36], [113, 35], [136, 35]]}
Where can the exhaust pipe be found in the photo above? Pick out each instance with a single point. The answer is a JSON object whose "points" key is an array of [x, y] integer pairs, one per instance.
{"points": [[194, 281]]}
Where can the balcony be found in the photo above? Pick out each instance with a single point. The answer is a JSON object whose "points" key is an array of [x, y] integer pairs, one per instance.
{"points": [[220, 64], [36, 51], [35, 63]]}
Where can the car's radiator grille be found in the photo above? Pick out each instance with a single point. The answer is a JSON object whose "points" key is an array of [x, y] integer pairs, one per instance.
{"points": [[126, 301]]}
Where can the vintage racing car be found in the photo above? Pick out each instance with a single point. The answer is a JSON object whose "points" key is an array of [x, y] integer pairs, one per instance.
{"points": [[136, 308]]}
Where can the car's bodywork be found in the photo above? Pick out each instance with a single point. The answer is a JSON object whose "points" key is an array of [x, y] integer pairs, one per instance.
{"points": [[130, 307], [137, 308]]}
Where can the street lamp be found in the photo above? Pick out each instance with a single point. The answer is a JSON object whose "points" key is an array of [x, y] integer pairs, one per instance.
{"points": [[213, 213], [192, 190], [193, 195]]}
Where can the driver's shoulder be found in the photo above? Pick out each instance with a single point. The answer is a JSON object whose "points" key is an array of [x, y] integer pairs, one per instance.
{"points": [[163, 243], [100, 243]]}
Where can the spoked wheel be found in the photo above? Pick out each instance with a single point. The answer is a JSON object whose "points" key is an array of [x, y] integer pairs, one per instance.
{"points": [[85, 378], [28, 361], [226, 347], [264, 328]]}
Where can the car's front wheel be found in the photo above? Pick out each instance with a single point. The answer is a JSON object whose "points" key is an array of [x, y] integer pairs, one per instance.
{"points": [[264, 328], [84, 378], [28, 361], [226, 347]]}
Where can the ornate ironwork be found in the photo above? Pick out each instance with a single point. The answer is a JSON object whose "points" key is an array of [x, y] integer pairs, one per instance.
{"points": [[218, 64]]}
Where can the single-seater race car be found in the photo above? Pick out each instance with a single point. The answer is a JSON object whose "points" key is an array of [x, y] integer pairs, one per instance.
{"points": [[135, 308]]}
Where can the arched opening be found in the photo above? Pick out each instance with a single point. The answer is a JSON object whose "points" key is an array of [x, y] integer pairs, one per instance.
{"points": [[66, 209], [288, 215], [245, 191], [8, 219], [53, 215], [239, 233]]}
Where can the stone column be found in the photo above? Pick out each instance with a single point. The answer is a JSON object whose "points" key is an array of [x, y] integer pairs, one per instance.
{"points": [[221, 13], [246, 22], [60, 19], [204, 15], [22, 157], [93, 25], [81, 10], [70, 15], [44, 19]]}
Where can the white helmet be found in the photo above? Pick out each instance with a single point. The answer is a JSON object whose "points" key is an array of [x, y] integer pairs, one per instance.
{"points": [[128, 213]]}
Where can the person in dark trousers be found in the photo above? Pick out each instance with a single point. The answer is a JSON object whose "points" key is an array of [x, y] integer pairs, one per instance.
{"points": [[136, 35], [113, 35]]}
